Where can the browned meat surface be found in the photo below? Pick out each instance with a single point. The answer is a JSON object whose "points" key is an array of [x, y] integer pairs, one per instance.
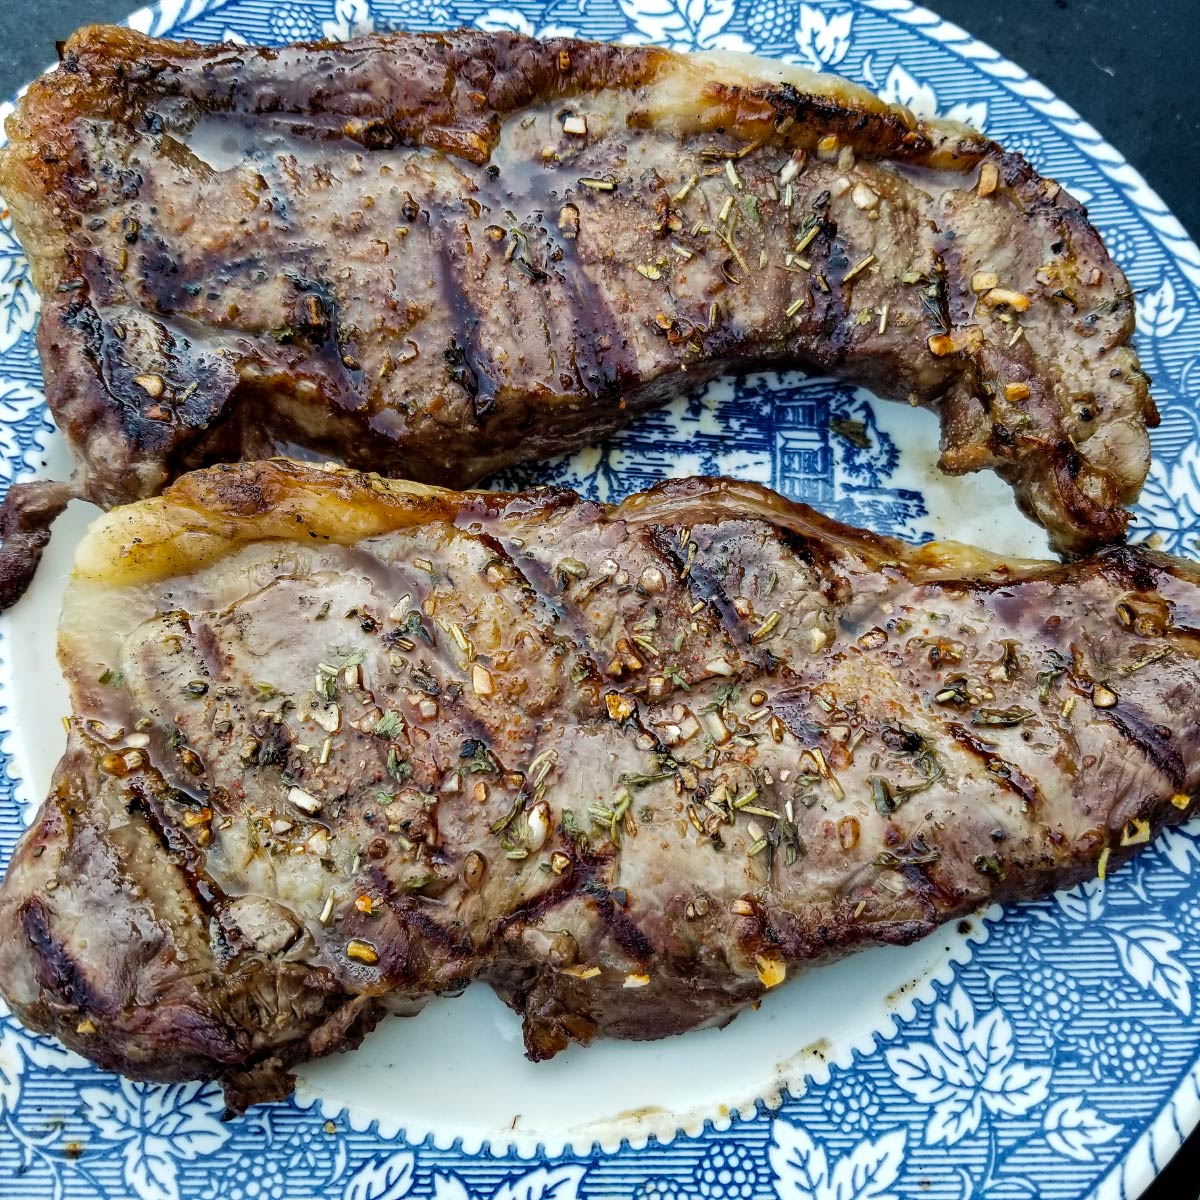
{"points": [[436, 255], [341, 745]]}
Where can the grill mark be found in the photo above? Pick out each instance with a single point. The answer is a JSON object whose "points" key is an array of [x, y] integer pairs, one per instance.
{"points": [[538, 580], [582, 640], [413, 916], [791, 705], [625, 930], [1126, 718], [57, 970], [700, 584], [205, 890], [587, 867], [546, 614], [609, 370], [1006, 773], [466, 364], [1133, 725]]}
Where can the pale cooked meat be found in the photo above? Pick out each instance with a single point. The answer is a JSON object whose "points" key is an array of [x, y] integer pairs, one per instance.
{"points": [[340, 745], [433, 256]]}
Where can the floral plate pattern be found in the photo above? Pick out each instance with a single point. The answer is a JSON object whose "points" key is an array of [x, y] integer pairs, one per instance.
{"points": [[1058, 1059]]}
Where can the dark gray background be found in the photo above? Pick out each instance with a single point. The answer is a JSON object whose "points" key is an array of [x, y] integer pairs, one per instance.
{"points": [[1130, 67]]}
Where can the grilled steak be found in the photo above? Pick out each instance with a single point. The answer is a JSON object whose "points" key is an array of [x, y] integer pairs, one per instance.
{"points": [[436, 255], [341, 745]]}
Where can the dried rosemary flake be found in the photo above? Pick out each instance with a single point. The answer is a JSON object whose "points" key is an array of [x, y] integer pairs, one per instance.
{"points": [[858, 268], [988, 864], [806, 240], [1001, 717], [1156, 655], [768, 625], [754, 811], [681, 195]]}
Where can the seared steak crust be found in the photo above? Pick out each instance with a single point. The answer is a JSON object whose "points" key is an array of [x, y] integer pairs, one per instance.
{"points": [[340, 745], [433, 256]]}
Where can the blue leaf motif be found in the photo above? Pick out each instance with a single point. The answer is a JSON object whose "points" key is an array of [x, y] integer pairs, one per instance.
{"points": [[449, 1187], [149, 1171], [961, 1043], [185, 1118], [115, 1113], [18, 300], [516, 21], [823, 40], [49, 1054], [685, 24], [987, 1041], [157, 1126], [12, 1067], [1171, 500], [1180, 848], [925, 1074], [1015, 1089], [968, 1069], [384, 1178], [350, 19], [1158, 313], [1083, 904], [711, 18], [800, 1164], [1148, 956], [1073, 1129], [973, 114], [559, 1183], [901, 87], [870, 1168], [953, 1120], [865, 1172]]}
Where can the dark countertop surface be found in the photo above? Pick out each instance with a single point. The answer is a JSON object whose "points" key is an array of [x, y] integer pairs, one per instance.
{"points": [[1128, 67]]}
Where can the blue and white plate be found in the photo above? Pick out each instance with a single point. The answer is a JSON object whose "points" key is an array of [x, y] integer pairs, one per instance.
{"points": [[1049, 1053]]}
